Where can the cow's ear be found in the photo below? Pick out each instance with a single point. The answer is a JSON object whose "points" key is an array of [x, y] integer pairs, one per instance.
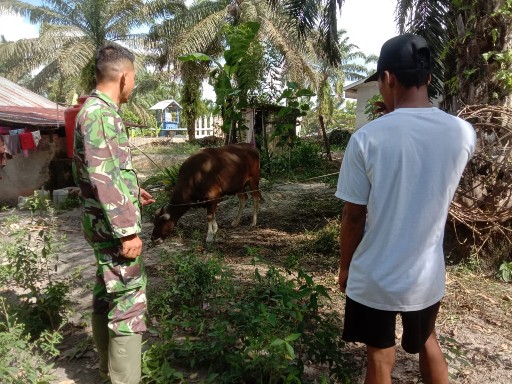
{"points": [[166, 216]]}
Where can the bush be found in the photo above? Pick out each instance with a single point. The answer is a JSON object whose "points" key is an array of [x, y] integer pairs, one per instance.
{"points": [[163, 181], [29, 326], [30, 255], [303, 158], [339, 138], [264, 330], [22, 359]]}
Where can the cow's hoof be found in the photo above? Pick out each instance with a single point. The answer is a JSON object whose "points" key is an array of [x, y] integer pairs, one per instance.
{"points": [[157, 241]]}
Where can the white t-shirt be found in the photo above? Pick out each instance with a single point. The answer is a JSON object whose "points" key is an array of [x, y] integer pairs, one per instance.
{"points": [[405, 167]]}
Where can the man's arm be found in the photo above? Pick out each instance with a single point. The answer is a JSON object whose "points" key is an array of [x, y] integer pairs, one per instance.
{"points": [[351, 233]]}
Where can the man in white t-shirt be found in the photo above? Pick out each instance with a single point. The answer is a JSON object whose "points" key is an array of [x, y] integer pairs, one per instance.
{"points": [[398, 177]]}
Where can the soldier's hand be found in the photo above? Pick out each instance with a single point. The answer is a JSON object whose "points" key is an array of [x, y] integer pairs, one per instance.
{"points": [[145, 197], [131, 246]]}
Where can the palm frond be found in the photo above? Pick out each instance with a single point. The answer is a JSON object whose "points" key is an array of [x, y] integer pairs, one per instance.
{"points": [[427, 18], [295, 66]]}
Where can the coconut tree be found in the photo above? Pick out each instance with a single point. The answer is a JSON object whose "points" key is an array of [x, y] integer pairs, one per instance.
{"points": [[201, 27], [70, 33], [308, 16], [472, 41], [330, 80]]}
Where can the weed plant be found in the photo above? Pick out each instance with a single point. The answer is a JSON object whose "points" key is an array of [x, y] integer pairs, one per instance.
{"points": [[303, 159], [31, 256], [186, 148], [36, 305], [261, 329], [160, 186], [71, 202], [22, 358]]}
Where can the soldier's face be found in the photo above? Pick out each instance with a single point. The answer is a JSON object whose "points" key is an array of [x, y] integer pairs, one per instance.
{"points": [[127, 82]]}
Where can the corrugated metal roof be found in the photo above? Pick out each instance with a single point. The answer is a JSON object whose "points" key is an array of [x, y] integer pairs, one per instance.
{"points": [[31, 117], [12, 94], [164, 104]]}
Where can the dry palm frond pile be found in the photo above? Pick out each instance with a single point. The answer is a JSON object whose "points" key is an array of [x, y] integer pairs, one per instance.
{"points": [[483, 200]]}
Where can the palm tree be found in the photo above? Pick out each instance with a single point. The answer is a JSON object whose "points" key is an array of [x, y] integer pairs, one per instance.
{"points": [[71, 32], [202, 27], [331, 80], [472, 43], [306, 16]]}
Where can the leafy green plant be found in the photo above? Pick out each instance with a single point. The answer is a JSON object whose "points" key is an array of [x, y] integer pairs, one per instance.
{"points": [[505, 271], [160, 186], [71, 202], [31, 255], [296, 104], [369, 109], [22, 359], [38, 202], [262, 330], [302, 160], [454, 354], [241, 71]]}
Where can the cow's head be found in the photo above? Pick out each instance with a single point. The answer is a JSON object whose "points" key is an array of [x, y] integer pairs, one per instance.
{"points": [[163, 224]]}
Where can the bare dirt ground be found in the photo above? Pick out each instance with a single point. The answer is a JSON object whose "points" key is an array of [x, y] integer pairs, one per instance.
{"points": [[474, 324]]}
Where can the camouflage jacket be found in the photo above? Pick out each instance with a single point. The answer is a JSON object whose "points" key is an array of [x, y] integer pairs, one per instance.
{"points": [[102, 168]]}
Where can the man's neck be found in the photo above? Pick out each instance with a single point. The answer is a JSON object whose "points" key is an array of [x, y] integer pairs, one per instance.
{"points": [[110, 91], [412, 98]]}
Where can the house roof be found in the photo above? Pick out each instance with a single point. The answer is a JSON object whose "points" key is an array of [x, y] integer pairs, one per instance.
{"points": [[15, 116], [20, 107], [354, 85], [351, 89], [12, 94], [165, 104]]}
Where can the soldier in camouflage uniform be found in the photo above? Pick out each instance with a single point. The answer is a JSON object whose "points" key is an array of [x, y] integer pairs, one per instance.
{"points": [[111, 200]]}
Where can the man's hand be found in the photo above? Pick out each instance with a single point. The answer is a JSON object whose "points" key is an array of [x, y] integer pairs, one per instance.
{"points": [[342, 279], [145, 197], [131, 246]]}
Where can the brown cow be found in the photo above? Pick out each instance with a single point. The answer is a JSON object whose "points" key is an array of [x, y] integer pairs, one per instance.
{"points": [[204, 178]]}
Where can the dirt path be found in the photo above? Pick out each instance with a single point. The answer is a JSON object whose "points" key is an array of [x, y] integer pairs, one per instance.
{"points": [[474, 323]]}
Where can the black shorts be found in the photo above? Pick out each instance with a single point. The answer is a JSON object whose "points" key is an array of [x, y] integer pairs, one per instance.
{"points": [[376, 328]]}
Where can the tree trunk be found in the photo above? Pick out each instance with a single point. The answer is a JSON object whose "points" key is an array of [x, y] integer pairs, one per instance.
{"points": [[324, 135], [479, 31]]}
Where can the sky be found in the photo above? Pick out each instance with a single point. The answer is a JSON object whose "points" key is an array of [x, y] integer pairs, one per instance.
{"points": [[369, 23]]}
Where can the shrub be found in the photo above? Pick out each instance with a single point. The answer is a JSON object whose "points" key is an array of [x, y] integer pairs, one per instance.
{"points": [[163, 181], [262, 330], [339, 138], [22, 359], [30, 256]]}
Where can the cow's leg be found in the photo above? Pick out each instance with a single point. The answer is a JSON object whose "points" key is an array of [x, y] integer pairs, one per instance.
{"points": [[255, 208], [242, 200], [255, 192], [212, 223]]}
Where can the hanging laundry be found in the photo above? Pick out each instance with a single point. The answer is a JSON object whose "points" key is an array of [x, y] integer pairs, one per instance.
{"points": [[27, 141], [3, 157], [37, 137], [12, 144]]}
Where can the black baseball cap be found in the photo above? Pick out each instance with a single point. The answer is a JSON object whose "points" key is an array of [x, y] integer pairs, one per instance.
{"points": [[401, 53]]}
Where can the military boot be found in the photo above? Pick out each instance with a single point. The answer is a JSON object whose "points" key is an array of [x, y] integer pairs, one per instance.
{"points": [[124, 359], [100, 335]]}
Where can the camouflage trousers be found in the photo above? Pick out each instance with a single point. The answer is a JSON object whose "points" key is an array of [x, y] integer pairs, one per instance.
{"points": [[120, 290]]}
